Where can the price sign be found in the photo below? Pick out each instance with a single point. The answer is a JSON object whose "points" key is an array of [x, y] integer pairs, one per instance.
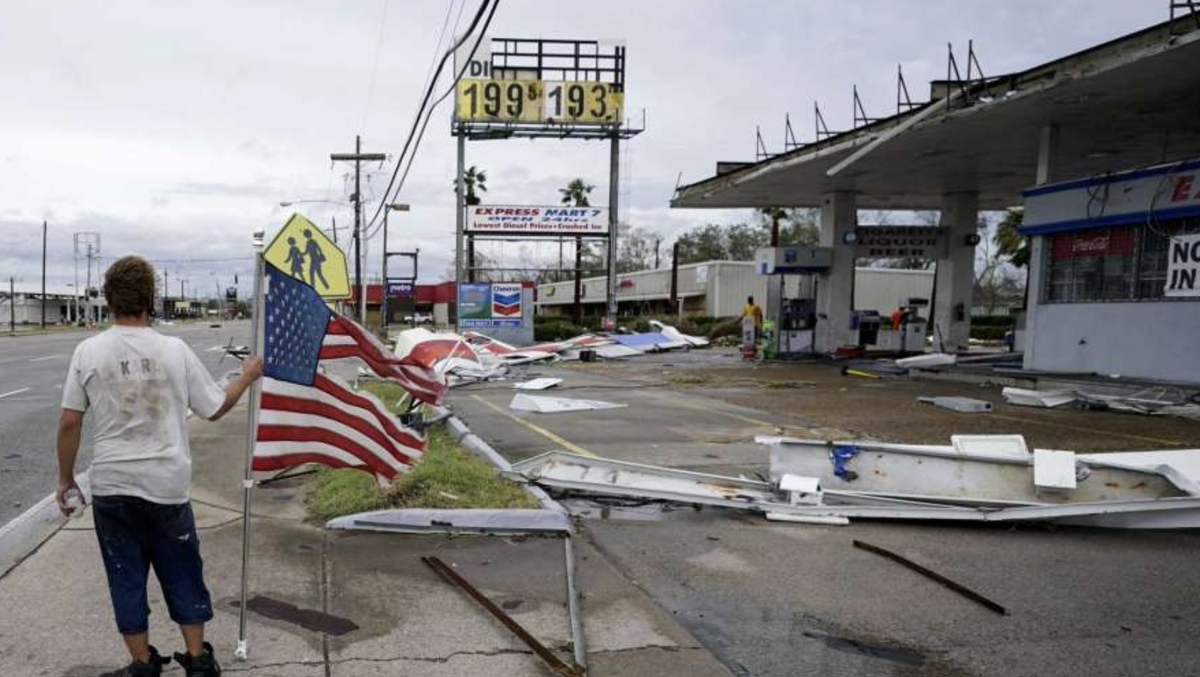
{"points": [[583, 102], [499, 100], [490, 100]]}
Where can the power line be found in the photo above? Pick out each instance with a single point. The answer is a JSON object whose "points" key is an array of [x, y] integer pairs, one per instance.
{"points": [[375, 66], [390, 195], [483, 6]]}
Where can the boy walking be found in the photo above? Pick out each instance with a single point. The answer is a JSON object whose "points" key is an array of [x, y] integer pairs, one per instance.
{"points": [[139, 386]]}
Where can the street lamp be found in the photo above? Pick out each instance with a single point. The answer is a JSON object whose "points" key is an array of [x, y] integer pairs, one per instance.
{"points": [[383, 303], [289, 203]]}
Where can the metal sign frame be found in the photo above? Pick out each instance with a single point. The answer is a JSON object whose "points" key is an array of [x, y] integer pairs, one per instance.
{"points": [[525, 59]]}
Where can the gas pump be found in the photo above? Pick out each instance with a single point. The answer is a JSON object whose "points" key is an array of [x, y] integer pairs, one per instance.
{"points": [[791, 306]]}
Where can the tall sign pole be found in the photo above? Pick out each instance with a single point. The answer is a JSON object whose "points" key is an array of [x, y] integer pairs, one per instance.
{"points": [[43, 274], [256, 349], [614, 190], [460, 224]]}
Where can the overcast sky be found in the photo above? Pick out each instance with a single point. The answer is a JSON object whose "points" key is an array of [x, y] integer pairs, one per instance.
{"points": [[175, 128]]}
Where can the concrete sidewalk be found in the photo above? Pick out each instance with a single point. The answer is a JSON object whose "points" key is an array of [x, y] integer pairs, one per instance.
{"points": [[401, 617]]}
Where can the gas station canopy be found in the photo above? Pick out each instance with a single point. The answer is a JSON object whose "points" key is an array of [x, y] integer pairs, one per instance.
{"points": [[1129, 102]]}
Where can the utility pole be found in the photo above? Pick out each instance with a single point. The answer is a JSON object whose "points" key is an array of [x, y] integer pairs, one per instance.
{"points": [[166, 291], [12, 305], [43, 274], [358, 157], [675, 274], [657, 247], [88, 291]]}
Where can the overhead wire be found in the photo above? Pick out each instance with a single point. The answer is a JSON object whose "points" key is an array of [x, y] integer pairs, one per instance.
{"points": [[483, 7], [374, 67], [373, 227]]}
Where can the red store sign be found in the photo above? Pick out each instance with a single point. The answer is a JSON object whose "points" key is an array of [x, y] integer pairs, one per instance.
{"points": [[1103, 242]]}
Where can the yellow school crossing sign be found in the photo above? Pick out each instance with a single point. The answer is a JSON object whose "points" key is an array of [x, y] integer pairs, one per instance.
{"points": [[304, 251]]}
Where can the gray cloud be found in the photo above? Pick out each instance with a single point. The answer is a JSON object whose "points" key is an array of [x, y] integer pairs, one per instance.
{"points": [[176, 129]]}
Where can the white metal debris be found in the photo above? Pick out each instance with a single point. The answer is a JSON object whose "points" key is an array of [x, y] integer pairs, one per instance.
{"points": [[1038, 398], [464, 521], [927, 361], [962, 404], [676, 335], [538, 383], [553, 405], [1054, 470], [997, 446]]}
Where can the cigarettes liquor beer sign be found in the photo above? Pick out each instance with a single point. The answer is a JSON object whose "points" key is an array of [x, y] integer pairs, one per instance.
{"points": [[534, 220]]}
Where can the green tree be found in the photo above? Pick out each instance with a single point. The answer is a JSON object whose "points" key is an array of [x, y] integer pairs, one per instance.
{"points": [[1010, 243], [636, 249], [705, 243], [576, 193]]}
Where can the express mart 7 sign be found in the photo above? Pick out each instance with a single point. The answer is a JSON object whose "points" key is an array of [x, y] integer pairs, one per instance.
{"points": [[489, 100]]}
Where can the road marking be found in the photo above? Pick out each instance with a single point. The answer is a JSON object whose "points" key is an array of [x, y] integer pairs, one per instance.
{"points": [[48, 357], [1055, 424], [570, 446], [15, 392]]}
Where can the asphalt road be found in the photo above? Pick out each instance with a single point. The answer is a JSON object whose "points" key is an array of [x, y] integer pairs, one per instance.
{"points": [[32, 370], [777, 600]]}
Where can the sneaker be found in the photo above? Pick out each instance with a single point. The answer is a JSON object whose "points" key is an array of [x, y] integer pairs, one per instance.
{"points": [[204, 665], [151, 668]]}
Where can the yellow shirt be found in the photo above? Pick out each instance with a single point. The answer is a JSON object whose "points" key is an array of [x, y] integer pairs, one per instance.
{"points": [[754, 311]]}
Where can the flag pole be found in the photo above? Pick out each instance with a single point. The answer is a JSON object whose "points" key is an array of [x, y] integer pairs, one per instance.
{"points": [[256, 349]]}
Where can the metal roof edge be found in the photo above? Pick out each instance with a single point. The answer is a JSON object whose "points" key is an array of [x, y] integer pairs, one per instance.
{"points": [[1127, 175], [868, 132], [1110, 220]]}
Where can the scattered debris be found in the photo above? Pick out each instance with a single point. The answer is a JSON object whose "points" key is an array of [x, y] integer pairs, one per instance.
{"points": [[676, 335], [847, 371], [451, 576], [963, 404], [538, 383], [934, 576], [554, 405], [1047, 399], [927, 361], [650, 342], [507, 522], [895, 481]]}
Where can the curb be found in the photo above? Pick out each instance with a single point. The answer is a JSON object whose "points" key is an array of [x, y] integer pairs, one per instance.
{"points": [[476, 445], [29, 530]]}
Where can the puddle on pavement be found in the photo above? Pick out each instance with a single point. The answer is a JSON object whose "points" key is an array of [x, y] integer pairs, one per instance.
{"points": [[309, 619]]}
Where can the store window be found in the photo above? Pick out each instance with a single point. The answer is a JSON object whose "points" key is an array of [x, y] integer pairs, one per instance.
{"points": [[1125, 263]]}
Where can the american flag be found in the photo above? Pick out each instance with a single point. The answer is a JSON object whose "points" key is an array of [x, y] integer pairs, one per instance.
{"points": [[310, 417]]}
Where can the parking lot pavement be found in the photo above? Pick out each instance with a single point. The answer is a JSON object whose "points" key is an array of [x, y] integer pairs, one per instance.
{"points": [[773, 599]]}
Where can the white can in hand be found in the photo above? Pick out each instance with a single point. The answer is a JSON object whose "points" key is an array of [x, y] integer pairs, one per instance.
{"points": [[74, 501]]}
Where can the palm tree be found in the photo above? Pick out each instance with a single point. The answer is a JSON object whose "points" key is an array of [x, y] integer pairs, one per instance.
{"points": [[1009, 241], [475, 183], [576, 193], [775, 214]]}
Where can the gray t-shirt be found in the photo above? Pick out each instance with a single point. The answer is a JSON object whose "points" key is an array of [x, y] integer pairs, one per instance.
{"points": [[139, 385]]}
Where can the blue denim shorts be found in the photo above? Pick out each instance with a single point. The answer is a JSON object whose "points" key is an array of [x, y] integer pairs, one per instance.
{"points": [[135, 535]]}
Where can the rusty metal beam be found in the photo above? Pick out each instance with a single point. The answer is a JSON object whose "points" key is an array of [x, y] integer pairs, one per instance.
{"points": [[540, 649], [933, 575]]}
